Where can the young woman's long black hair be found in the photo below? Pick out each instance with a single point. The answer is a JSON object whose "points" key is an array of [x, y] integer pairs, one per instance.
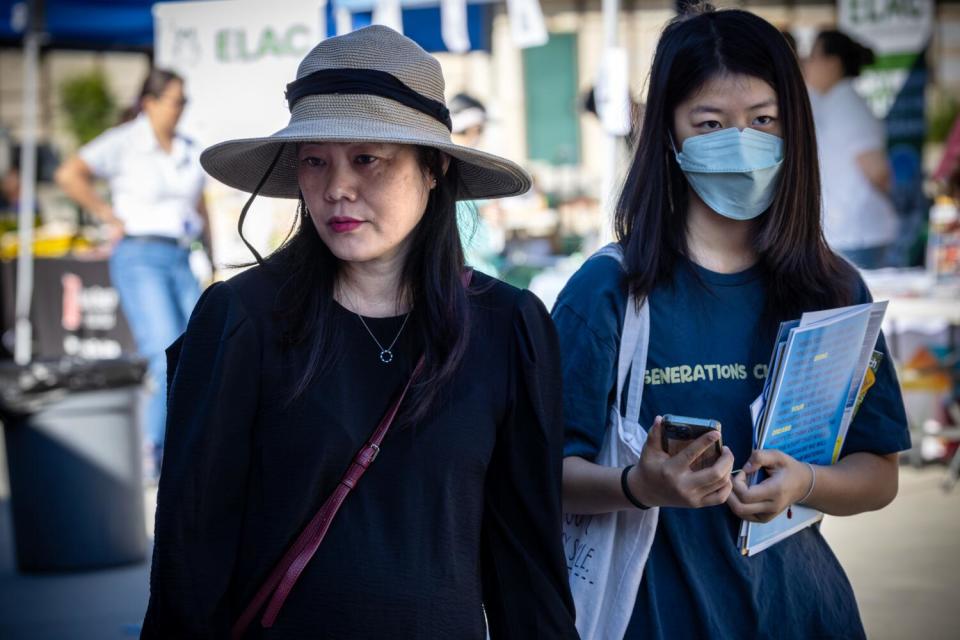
{"points": [[431, 278], [801, 272]]}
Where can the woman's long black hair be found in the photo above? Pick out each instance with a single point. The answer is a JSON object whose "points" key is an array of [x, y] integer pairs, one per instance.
{"points": [[431, 278], [801, 272], [153, 86]]}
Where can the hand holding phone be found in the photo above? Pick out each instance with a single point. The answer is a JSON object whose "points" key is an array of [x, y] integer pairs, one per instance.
{"points": [[662, 480], [679, 432]]}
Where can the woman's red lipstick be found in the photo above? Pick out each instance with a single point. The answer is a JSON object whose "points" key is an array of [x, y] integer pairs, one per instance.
{"points": [[344, 225]]}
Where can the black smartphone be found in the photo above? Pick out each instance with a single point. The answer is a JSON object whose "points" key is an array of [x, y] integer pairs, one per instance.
{"points": [[680, 431]]}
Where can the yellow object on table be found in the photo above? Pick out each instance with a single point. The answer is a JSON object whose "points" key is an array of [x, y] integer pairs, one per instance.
{"points": [[44, 245]]}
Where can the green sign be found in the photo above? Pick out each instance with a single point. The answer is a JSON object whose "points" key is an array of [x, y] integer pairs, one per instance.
{"points": [[233, 45], [888, 26]]}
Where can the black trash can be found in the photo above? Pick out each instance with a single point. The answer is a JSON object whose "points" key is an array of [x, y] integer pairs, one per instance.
{"points": [[73, 453]]}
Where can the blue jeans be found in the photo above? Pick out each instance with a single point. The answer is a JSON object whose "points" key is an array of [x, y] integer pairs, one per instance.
{"points": [[157, 292], [869, 257]]}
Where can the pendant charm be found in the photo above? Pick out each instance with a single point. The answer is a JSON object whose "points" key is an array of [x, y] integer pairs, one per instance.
{"points": [[386, 356]]}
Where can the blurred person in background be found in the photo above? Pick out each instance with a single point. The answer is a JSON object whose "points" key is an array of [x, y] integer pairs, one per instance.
{"points": [[11, 183], [156, 212], [859, 219], [589, 103], [10, 189], [947, 169], [481, 229]]}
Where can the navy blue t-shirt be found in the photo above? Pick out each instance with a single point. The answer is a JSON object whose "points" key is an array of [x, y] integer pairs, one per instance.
{"points": [[708, 357]]}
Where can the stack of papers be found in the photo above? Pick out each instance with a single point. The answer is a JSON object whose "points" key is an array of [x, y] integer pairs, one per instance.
{"points": [[817, 370]]}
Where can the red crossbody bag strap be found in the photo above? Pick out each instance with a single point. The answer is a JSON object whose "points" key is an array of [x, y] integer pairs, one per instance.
{"points": [[285, 574]]}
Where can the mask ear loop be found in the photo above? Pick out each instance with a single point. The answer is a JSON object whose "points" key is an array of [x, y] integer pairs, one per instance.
{"points": [[672, 159], [246, 207], [673, 144]]}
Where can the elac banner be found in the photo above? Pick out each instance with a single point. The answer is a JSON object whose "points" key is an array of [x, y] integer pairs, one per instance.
{"points": [[236, 53]]}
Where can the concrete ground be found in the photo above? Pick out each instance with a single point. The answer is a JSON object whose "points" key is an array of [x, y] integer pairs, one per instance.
{"points": [[95, 605], [904, 563]]}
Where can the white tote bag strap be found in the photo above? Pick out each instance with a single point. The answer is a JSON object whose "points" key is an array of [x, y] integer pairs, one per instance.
{"points": [[634, 343], [604, 587], [640, 320]]}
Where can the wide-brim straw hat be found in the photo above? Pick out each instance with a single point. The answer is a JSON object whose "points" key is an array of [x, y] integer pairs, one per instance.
{"points": [[371, 85]]}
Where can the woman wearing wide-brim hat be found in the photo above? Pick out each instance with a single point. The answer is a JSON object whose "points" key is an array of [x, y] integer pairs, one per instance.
{"points": [[283, 390]]}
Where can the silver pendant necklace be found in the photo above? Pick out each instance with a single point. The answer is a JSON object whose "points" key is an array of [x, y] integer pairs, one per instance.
{"points": [[386, 353]]}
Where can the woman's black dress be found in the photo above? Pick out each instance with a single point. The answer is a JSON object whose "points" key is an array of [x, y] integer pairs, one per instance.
{"points": [[458, 515]]}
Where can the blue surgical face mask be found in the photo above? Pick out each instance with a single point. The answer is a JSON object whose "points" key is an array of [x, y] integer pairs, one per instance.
{"points": [[734, 172]]}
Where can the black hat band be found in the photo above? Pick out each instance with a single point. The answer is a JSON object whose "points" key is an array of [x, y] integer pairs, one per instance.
{"points": [[366, 82]]}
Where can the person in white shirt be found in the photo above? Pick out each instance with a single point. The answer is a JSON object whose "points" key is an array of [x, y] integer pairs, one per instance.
{"points": [[859, 219], [156, 212]]}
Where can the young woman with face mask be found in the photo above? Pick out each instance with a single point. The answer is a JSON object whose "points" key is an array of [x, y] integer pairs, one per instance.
{"points": [[719, 224]]}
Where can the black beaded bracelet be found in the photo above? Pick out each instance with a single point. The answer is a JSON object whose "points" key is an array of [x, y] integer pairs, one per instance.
{"points": [[626, 489]]}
